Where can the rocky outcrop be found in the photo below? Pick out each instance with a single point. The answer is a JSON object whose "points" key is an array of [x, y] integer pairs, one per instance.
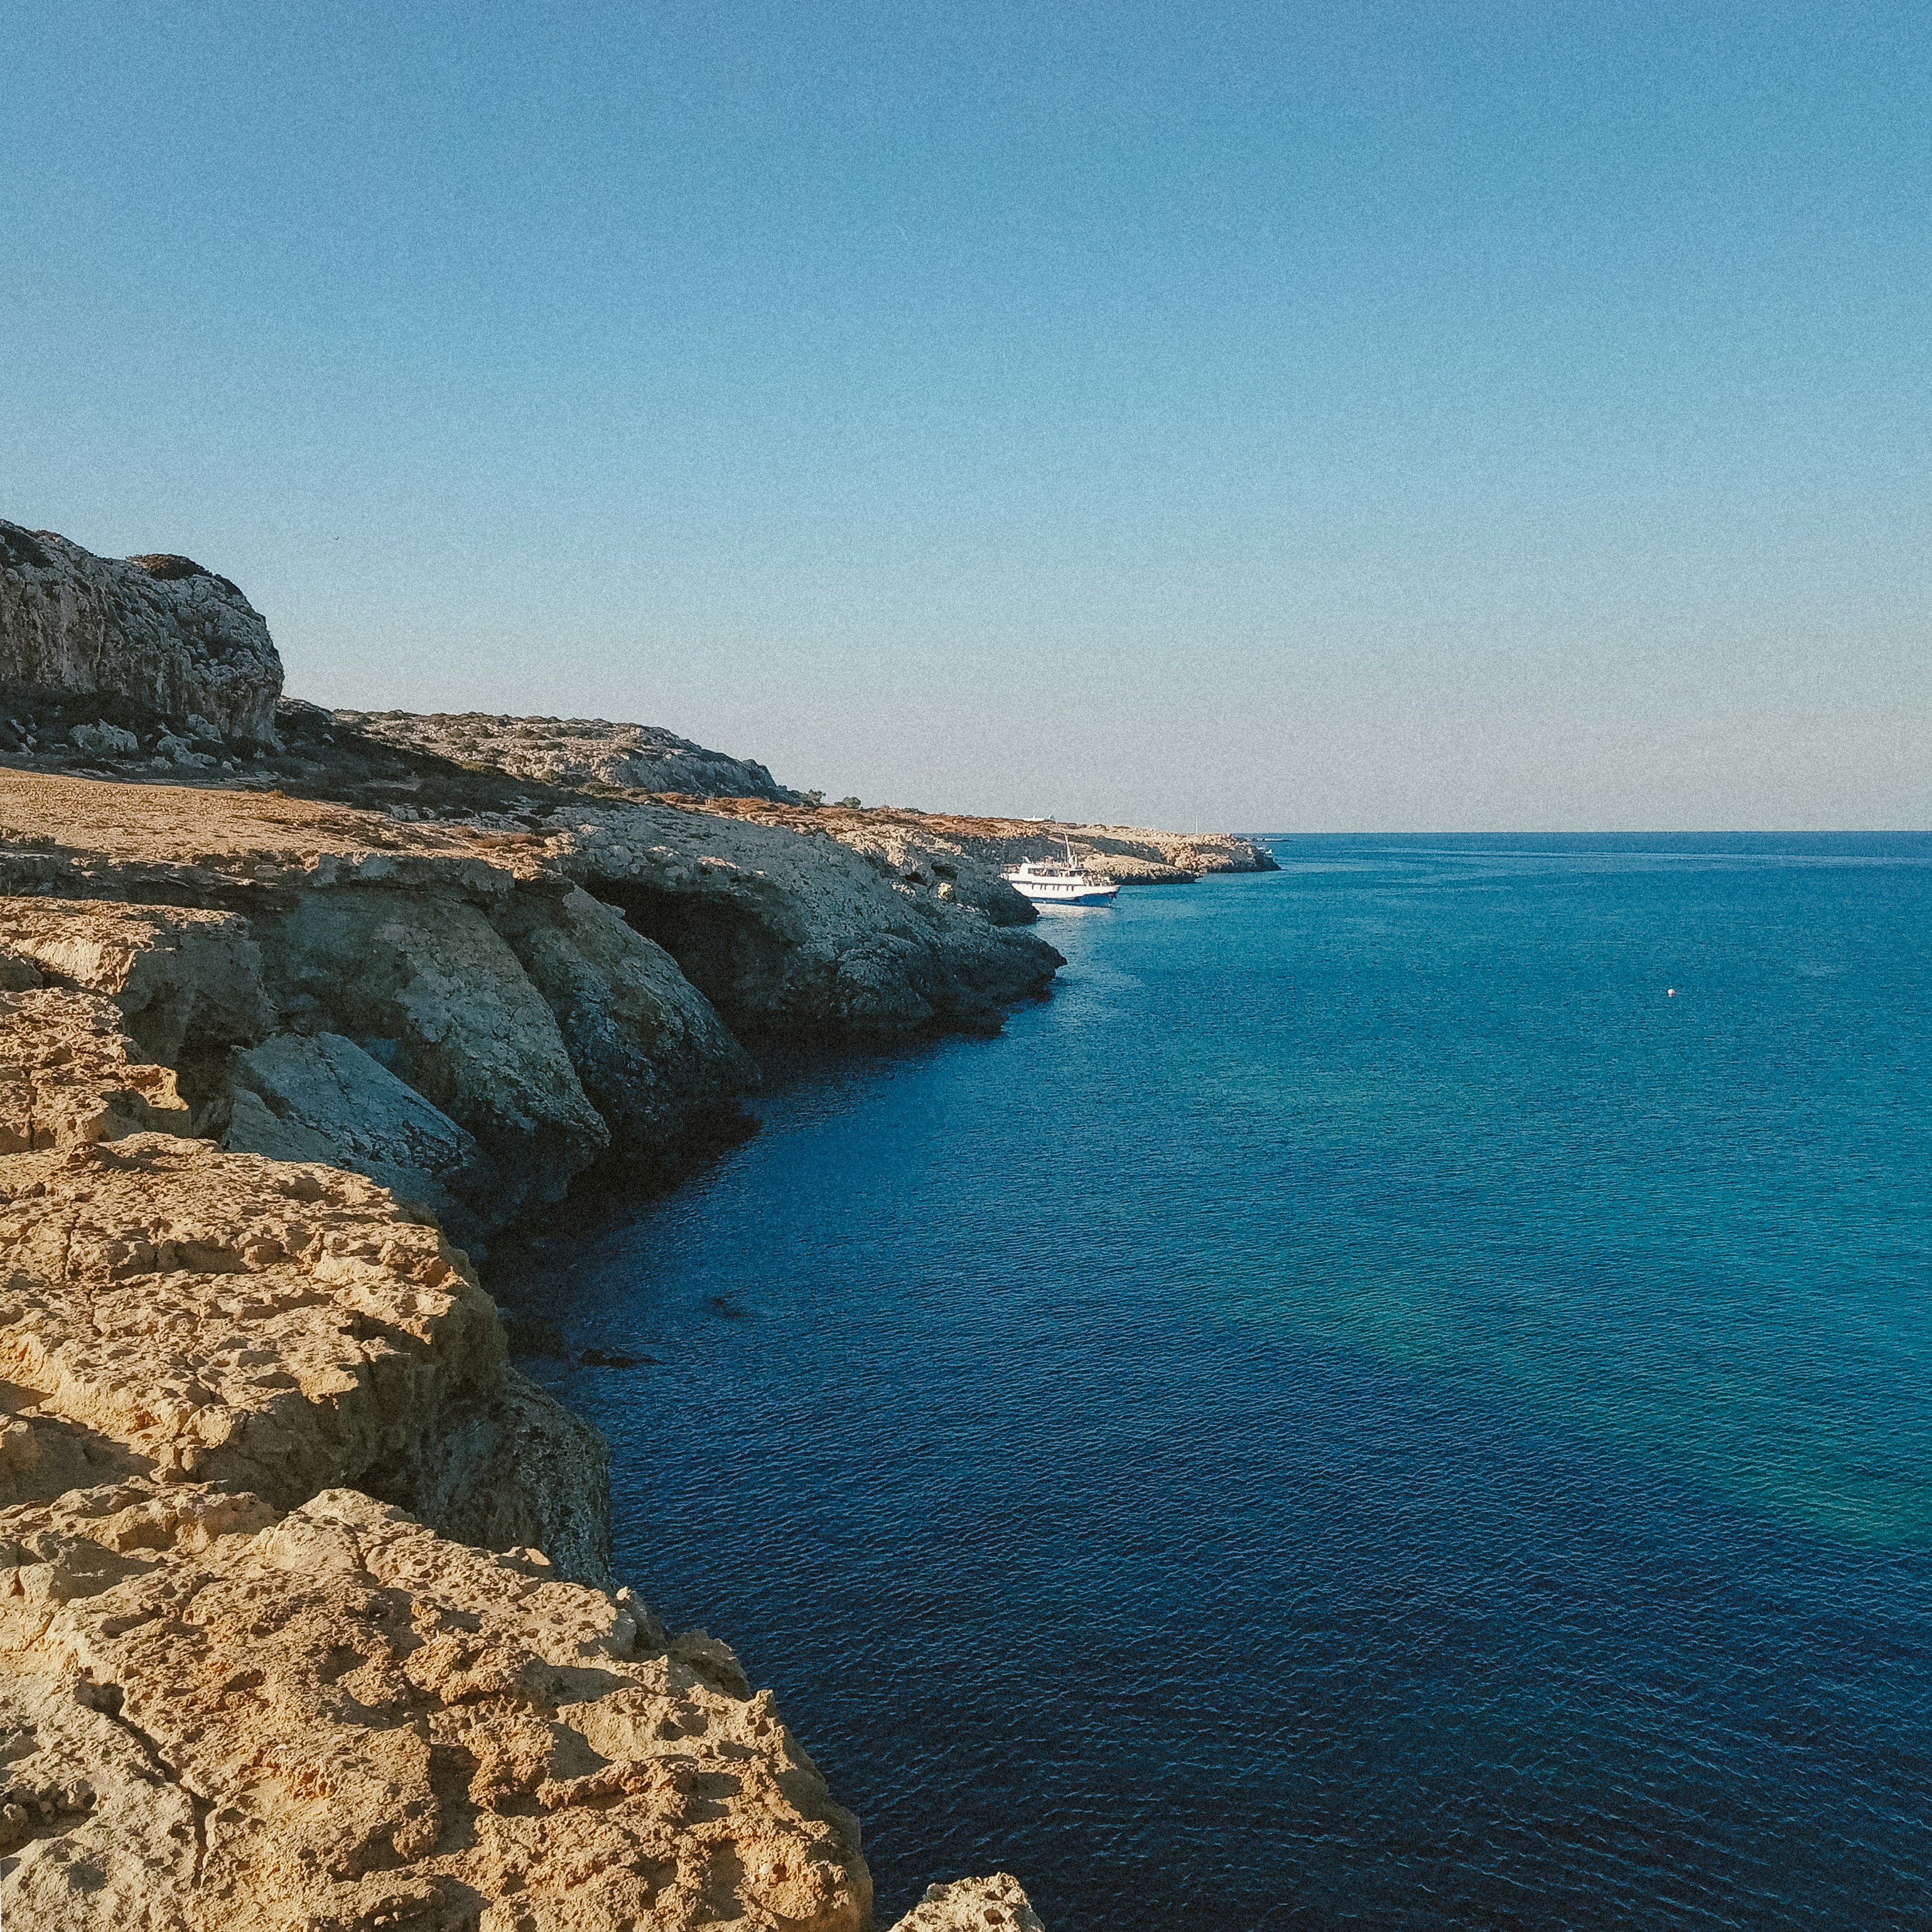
{"points": [[186, 981], [159, 630], [973, 1905], [550, 993], [175, 1308], [413, 969], [220, 1715], [320, 1097], [801, 935], [576, 752], [645, 1041], [69, 1076]]}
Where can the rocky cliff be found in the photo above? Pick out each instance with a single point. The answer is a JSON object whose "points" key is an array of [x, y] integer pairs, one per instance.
{"points": [[980, 850], [160, 631], [304, 1606], [306, 1618], [218, 1715]]}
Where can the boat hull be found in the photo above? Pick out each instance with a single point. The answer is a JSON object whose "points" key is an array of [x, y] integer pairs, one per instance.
{"points": [[1041, 895]]}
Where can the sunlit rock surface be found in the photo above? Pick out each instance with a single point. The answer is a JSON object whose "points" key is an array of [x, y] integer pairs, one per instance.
{"points": [[160, 630]]}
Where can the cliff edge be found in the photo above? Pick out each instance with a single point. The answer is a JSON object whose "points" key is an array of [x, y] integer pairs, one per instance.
{"points": [[306, 1614]]}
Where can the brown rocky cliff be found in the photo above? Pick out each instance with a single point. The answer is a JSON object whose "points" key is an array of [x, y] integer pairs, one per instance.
{"points": [[220, 1715], [289, 1629], [304, 1612]]}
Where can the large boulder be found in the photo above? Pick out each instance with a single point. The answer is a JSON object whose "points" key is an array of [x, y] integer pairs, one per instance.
{"points": [[187, 983], [973, 1905], [645, 1041], [421, 980], [320, 1097], [159, 629], [181, 975]]}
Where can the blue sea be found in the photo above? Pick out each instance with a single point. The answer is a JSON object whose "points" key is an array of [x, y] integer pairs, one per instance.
{"points": [[1400, 1397]]}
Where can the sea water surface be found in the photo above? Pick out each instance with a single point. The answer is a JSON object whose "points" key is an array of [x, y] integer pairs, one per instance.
{"points": [[1367, 1408]]}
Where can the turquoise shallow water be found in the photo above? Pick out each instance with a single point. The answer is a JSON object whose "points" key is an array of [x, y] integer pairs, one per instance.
{"points": [[1361, 1411]]}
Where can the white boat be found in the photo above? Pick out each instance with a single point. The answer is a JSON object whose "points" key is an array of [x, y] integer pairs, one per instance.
{"points": [[1047, 882]]}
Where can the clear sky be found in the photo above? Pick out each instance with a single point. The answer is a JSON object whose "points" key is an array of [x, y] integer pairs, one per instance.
{"points": [[1335, 417]]}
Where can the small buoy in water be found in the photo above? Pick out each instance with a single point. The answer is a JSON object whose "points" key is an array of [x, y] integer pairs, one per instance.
{"points": [[1670, 992]]}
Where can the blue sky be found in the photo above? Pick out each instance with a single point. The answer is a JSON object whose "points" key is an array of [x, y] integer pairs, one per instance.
{"points": [[1342, 417]]}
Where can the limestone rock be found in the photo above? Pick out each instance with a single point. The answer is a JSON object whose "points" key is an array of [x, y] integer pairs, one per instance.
{"points": [[334, 1718], [159, 629], [778, 928], [174, 1308], [422, 979], [973, 1905], [187, 982], [320, 1097], [95, 1835], [103, 737], [801, 934], [67, 1079], [571, 751], [645, 1041], [522, 1472], [926, 859]]}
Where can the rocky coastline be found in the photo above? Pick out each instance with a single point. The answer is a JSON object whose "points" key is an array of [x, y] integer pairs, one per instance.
{"points": [[306, 1616]]}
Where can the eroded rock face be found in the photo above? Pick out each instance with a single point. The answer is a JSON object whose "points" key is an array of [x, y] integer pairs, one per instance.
{"points": [[187, 982], [423, 976], [320, 1097], [159, 629], [645, 1041], [69, 1076], [174, 1308], [782, 933], [571, 751], [335, 1718]]}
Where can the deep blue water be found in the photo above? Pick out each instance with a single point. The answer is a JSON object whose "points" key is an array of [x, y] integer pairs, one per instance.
{"points": [[1359, 1411]]}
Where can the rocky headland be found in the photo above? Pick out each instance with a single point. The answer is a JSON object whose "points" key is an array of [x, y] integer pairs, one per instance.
{"points": [[306, 1618]]}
